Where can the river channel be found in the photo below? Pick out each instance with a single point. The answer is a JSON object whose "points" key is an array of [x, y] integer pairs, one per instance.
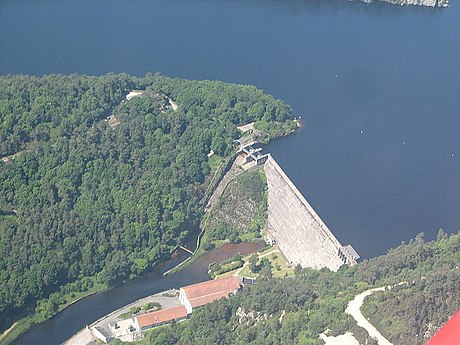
{"points": [[378, 154], [88, 310]]}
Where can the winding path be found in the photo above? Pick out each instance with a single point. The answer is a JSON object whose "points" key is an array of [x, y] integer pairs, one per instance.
{"points": [[354, 309]]}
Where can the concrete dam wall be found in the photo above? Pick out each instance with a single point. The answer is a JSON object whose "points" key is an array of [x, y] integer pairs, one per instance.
{"points": [[298, 230]]}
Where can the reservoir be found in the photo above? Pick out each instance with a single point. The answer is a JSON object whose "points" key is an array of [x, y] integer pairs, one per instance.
{"points": [[378, 156], [378, 153]]}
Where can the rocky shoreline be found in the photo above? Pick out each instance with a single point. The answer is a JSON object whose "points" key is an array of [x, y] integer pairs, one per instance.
{"points": [[427, 3]]}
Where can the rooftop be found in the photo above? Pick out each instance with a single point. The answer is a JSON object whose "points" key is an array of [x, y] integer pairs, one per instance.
{"points": [[161, 316], [211, 290]]}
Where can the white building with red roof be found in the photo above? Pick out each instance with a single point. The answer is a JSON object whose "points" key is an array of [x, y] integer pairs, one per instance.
{"points": [[160, 317], [196, 295]]}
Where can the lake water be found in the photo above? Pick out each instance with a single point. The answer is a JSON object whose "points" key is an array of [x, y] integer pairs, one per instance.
{"points": [[391, 72], [378, 155]]}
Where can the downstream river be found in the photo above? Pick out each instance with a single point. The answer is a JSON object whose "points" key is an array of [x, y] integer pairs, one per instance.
{"points": [[378, 154], [88, 310]]}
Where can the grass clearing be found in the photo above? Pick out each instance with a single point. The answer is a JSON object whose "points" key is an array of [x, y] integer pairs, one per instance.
{"points": [[214, 162], [22, 325], [280, 267]]}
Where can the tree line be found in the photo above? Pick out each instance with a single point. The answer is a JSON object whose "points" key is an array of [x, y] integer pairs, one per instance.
{"points": [[85, 200], [296, 310]]}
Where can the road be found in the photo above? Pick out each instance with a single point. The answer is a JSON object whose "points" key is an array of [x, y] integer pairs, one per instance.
{"points": [[354, 309]]}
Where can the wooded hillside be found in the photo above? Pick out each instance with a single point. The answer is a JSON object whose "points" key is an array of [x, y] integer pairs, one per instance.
{"points": [[296, 310], [84, 199]]}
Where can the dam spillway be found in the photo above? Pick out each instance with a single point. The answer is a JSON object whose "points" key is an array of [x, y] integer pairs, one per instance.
{"points": [[298, 230]]}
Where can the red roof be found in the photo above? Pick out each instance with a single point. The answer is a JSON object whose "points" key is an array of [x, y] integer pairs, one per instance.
{"points": [[449, 334], [211, 290], [161, 316]]}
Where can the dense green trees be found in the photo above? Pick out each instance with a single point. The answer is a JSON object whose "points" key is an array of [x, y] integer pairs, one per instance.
{"points": [[411, 313], [240, 212], [83, 199], [296, 310], [40, 109]]}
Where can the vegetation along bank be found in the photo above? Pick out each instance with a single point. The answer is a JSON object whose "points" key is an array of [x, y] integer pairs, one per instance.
{"points": [[96, 189]]}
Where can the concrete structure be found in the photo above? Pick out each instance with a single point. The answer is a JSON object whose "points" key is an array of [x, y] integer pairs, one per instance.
{"points": [[101, 334], [270, 240], [196, 295], [124, 330], [299, 232], [350, 251], [175, 308], [161, 317], [248, 280], [247, 128], [251, 154]]}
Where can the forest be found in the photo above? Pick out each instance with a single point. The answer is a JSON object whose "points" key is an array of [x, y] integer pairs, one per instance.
{"points": [[85, 200], [240, 213], [295, 310]]}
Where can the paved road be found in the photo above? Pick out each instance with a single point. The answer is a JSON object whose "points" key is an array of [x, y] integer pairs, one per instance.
{"points": [[84, 337], [354, 309], [344, 339], [167, 299]]}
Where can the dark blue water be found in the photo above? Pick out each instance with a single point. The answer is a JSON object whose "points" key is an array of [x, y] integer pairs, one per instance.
{"points": [[391, 72]]}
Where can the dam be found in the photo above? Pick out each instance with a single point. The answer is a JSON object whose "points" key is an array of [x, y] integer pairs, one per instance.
{"points": [[297, 229]]}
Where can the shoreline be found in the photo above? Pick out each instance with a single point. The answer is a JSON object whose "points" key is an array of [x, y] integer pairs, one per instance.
{"points": [[87, 328], [32, 319], [198, 252], [194, 256], [6, 331], [85, 336]]}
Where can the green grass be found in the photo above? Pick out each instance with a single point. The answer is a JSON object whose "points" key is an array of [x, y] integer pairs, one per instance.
{"points": [[214, 162], [264, 249], [20, 327], [277, 259], [250, 236], [281, 263]]}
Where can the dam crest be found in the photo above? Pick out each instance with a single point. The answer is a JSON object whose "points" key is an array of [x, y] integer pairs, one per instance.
{"points": [[298, 230]]}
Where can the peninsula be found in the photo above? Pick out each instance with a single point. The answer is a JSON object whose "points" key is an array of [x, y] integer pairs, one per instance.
{"points": [[101, 177], [99, 187]]}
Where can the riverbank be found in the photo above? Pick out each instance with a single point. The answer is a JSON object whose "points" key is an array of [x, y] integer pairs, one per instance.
{"points": [[23, 325], [213, 189], [165, 299], [197, 270], [217, 186], [190, 259], [5, 332]]}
